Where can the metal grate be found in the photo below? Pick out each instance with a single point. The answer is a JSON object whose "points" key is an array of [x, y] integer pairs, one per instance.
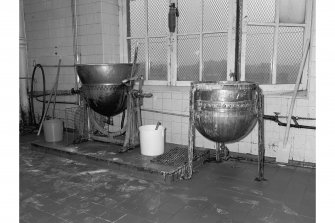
{"points": [[140, 55], [178, 156], [215, 57], [157, 17], [189, 16], [188, 58], [259, 52], [215, 15], [137, 18], [290, 46], [261, 10], [158, 59]]}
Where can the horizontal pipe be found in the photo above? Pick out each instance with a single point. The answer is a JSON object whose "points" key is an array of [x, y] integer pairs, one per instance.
{"points": [[267, 116], [48, 92], [297, 117], [59, 102], [56, 65], [275, 119], [166, 113]]}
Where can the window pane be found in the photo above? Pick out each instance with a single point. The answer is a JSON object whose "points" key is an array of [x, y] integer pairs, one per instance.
{"points": [[137, 18], [188, 58], [140, 55], [261, 10], [215, 57], [158, 17], [215, 15], [189, 16], [290, 46], [259, 54], [158, 59]]}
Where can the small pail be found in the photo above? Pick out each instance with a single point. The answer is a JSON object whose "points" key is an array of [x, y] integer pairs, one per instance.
{"points": [[151, 140], [53, 130]]}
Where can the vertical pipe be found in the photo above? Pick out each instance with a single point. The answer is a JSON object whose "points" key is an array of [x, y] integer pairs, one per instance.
{"points": [[238, 38], [24, 102], [191, 134]]}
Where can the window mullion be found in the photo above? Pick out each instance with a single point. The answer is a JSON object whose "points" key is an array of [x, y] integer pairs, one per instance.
{"points": [[275, 45], [146, 42], [244, 39], [201, 41], [231, 39], [307, 35]]}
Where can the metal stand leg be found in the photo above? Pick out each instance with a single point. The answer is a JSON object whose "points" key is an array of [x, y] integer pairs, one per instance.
{"points": [[261, 148], [191, 136], [218, 152]]}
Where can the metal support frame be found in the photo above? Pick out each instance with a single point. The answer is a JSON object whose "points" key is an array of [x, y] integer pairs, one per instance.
{"points": [[261, 148], [220, 146], [130, 129]]}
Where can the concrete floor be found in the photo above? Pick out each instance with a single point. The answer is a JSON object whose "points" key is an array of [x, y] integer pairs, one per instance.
{"points": [[58, 189]]}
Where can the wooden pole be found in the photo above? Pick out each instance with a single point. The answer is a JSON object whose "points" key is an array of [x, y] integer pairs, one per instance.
{"points": [[261, 148], [191, 135]]}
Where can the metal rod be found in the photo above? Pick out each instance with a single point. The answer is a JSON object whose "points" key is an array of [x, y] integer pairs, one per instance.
{"points": [[56, 87], [296, 87], [191, 136], [261, 148], [57, 65], [166, 113], [238, 39]]}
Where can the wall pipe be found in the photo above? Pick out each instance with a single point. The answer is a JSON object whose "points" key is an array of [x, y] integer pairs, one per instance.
{"points": [[296, 125], [274, 118]]}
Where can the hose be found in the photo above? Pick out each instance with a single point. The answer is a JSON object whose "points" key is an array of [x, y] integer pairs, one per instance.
{"points": [[32, 112]]}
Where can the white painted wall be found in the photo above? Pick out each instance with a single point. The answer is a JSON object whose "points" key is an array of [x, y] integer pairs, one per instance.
{"points": [[49, 25]]}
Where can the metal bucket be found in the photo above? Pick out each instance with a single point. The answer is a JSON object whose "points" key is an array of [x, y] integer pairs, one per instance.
{"points": [[102, 87], [225, 111]]}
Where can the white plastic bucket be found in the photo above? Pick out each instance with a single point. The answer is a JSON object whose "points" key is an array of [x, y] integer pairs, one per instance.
{"points": [[151, 140], [53, 130]]}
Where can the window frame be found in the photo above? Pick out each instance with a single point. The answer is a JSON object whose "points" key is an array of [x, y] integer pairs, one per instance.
{"points": [[172, 45]]}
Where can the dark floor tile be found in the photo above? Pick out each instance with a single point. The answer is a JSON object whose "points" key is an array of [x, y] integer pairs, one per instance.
{"points": [[33, 215], [129, 218], [111, 215], [186, 214], [259, 214], [96, 210], [282, 216], [172, 205], [85, 218], [303, 219]]}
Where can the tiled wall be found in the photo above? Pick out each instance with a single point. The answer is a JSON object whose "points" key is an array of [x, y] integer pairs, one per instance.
{"points": [[49, 25], [50, 37]]}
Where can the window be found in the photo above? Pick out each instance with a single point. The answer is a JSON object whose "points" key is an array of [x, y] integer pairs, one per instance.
{"points": [[203, 46]]}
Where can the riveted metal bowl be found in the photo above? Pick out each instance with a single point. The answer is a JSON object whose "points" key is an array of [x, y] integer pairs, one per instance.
{"points": [[103, 73], [225, 111], [102, 87]]}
